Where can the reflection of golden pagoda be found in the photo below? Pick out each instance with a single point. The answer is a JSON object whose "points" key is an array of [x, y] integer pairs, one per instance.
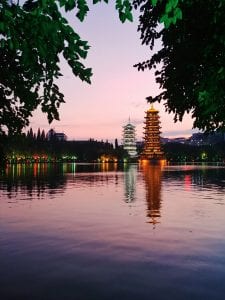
{"points": [[152, 178], [152, 147]]}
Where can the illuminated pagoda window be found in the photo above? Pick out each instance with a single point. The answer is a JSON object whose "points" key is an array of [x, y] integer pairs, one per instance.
{"points": [[129, 139], [152, 146]]}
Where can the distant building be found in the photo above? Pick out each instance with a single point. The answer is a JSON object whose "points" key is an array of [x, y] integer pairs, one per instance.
{"points": [[59, 136], [129, 139], [50, 134]]}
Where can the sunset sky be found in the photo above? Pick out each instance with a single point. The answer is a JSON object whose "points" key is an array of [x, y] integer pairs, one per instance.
{"points": [[118, 90]]}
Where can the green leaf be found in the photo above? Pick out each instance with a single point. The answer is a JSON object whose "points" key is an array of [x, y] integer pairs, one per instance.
{"points": [[62, 3], [169, 7], [119, 5], [8, 13], [166, 20], [122, 17], [70, 5], [129, 16], [11, 45], [178, 13], [154, 2], [2, 26], [221, 70], [174, 3], [82, 9]]}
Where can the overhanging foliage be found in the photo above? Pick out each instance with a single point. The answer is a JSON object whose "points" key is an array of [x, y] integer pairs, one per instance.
{"points": [[190, 66], [32, 36]]}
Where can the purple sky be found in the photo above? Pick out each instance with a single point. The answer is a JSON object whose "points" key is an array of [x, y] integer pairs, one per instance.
{"points": [[117, 91]]}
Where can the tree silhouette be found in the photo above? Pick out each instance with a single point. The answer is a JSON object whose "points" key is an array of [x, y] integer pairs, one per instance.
{"points": [[43, 136], [38, 134], [116, 143], [190, 66], [30, 134], [33, 35]]}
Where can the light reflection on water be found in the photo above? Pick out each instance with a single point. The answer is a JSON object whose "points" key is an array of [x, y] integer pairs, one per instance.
{"points": [[106, 231]]}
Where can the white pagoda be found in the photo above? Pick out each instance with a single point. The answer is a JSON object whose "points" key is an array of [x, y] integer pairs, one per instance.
{"points": [[129, 139]]}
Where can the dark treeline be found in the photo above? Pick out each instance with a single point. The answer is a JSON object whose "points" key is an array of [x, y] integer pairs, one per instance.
{"points": [[31, 146], [39, 145], [177, 152]]}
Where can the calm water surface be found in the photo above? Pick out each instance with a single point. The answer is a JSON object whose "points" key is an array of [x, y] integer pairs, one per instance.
{"points": [[112, 232]]}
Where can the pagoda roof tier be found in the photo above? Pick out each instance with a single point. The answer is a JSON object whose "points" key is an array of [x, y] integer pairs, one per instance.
{"points": [[150, 116], [152, 127], [152, 124], [152, 132]]}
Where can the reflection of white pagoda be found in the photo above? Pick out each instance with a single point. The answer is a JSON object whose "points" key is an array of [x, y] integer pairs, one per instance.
{"points": [[129, 139], [130, 183]]}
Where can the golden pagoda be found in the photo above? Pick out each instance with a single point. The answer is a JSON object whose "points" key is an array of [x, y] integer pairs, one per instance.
{"points": [[152, 146]]}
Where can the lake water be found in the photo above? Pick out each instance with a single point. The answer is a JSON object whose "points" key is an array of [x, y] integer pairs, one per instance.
{"points": [[112, 232]]}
